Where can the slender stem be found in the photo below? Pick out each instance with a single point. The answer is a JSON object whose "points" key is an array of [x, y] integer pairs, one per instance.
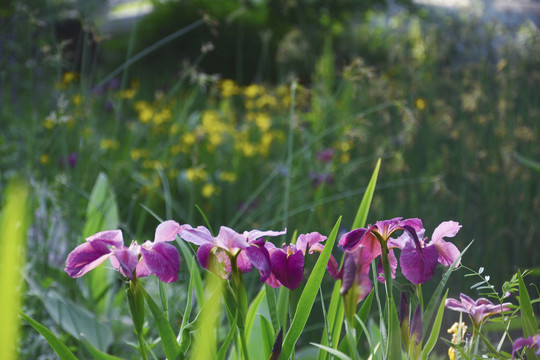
{"points": [[244, 344], [351, 339], [420, 296], [142, 346]]}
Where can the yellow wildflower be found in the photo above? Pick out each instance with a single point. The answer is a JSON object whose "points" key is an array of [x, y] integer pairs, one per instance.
{"points": [[138, 153], [76, 99], [208, 190], [45, 159], [229, 88], [253, 90], [196, 174], [263, 121], [420, 104], [69, 77], [109, 144], [163, 116], [228, 176], [48, 123]]}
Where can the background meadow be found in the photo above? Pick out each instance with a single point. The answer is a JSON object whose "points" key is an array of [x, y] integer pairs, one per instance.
{"points": [[262, 115]]}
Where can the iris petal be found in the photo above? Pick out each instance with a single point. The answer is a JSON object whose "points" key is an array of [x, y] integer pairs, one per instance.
{"points": [[418, 265], [198, 236], [288, 269], [259, 257], [86, 257], [163, 261], [166, 231], [127, 259]]}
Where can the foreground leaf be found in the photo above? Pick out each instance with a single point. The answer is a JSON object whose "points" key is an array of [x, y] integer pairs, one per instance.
{"points": [[57, 345], [434, 336]]}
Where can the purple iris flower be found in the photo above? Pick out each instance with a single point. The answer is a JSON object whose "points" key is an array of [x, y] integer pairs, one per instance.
{"points": [[248, 249], [372, 237], [531, 342], [158, 257], [479, 311], [288, 262], [419, 258], [355, 273]]}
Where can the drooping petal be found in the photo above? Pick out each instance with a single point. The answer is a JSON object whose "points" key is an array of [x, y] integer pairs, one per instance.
{"points": [[349, 240], [273, 281], [333, 268], [198, 236], [167, 231], [203, 254], [288, 269], [86, 257], [348, 273], [231, 241], [306, 242], [163, 261], [418, 264], [260, 258], [127, 259]]}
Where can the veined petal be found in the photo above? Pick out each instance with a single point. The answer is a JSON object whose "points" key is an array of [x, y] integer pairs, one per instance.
{"points": [[259, 257], [197, 236], [417, 264], [305, 242], [231, 241], [127, 260], [288, 269], [167, 231], [456, 305], [86, 257], [445, 229], [109, 237], [163, 261], [447, 251]]}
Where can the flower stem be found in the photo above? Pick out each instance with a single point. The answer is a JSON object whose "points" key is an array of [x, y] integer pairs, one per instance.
{"points": [[351, 339], [142, 346]]}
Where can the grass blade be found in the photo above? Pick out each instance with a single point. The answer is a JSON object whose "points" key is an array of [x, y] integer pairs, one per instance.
{"points": [[528, 321], [96, 354], [253, 307], [434, 336], [332, 351], [308, 296], [363, 209], [168, 338], [57, 345]]}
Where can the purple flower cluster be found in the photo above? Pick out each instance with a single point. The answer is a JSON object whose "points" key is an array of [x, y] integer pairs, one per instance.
{"points": [[278, 266], [418, 257], [229, 250], [478, 310]]}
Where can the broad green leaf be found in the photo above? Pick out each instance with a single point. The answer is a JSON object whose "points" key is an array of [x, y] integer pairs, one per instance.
{"points": [[57, 345], [14, 222], [528, 321], [308, 296], [168, 338], [394, 335], [253, 307], [332, 351], [267, 334], [434, 336], [101, 214], [77, 321], [96, 354], [336, 310], [430, 309]]}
